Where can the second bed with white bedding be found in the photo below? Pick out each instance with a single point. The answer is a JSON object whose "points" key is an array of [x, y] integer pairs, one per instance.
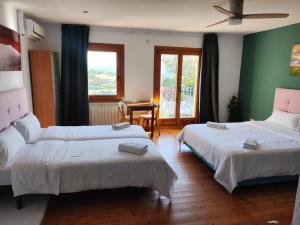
{"points": [[278, 150], [80, 133], [53, 167]]}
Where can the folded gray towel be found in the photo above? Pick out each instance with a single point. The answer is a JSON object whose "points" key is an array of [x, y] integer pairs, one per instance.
{"points": [[216, 125], [249, 147], [135, 148], [250, 144], [119, 126]]}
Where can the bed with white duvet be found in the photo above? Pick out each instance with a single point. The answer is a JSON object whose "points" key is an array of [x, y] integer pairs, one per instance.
{"points": [[29, 127], [53, 167], [57, 160], [278, 151], [81, 133]]}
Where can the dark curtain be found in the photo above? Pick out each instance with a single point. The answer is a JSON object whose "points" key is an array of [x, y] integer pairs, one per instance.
{"points": [[74, 79], [209, 103]]}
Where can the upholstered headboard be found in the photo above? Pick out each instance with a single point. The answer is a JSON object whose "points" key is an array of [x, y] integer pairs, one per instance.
{"points": [[287, 100], [13, 106]]}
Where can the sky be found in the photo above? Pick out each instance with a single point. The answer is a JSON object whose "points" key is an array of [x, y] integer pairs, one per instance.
{"points": [[102, 59]]}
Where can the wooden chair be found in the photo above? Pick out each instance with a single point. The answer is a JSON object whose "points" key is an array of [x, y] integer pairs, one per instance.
{"points": [[123, 114], [147, 118]]}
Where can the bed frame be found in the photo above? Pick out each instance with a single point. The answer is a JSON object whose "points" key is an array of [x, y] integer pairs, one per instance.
{"points": [[13, 106], [287, 100]]}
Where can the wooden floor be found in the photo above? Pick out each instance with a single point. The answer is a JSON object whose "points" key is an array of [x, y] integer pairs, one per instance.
{"points": [[197, 199]]}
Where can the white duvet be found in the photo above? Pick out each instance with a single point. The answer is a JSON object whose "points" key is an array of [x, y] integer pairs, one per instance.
{"points": [[53, 167], [296, 217], [80, 133], [278, 150]]}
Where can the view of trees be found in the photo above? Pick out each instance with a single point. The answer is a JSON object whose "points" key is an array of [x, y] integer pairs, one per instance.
{"points": [[189, 70], [169, 67], [102, 81]]}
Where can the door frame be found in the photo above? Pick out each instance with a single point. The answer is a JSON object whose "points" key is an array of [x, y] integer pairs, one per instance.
{"points": [[158, 50]]}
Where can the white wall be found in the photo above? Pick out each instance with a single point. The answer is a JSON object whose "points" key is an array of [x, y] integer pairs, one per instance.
{"points": [[139, 57], [26, 45], [8, 16], [230, 57], [53, 38]]}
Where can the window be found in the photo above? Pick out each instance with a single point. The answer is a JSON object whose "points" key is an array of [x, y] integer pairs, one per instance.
{"points": [[105, 72]]}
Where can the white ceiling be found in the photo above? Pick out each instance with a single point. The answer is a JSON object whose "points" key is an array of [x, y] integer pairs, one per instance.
{"points": [[174, 15]]}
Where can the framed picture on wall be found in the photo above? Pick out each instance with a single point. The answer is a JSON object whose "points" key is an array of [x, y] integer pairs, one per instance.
{"points": [[10, 50], [295, 60]]}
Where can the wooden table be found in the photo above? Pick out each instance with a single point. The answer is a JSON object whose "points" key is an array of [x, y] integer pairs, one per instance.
{"points": [[148, 106]]}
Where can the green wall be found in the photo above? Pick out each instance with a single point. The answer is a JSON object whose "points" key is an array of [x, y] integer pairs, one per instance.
{"points": [[265, 66]]}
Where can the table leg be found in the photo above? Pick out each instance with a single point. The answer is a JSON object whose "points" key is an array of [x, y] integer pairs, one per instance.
{"points": [[152, 123], [131, 116]]}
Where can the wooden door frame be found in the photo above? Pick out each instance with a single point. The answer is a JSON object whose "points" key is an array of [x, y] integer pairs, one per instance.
{"points": [[158, 50]]}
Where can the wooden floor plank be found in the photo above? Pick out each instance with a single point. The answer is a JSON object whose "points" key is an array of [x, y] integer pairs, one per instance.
{"points": [[197, 199]]}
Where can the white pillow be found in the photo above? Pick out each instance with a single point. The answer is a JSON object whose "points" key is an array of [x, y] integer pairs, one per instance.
{"points": [[11, 141], [30, 128], [285, 119]]}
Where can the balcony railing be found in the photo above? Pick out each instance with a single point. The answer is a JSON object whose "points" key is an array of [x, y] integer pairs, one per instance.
{"points": [[168, 98]]}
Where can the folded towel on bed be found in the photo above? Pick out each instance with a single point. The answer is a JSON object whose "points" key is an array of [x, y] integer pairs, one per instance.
{"points": [[119, 126], [216, 125], [250, 144], [135, 148]]}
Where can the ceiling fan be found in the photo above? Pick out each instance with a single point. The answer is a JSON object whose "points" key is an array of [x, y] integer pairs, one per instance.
{"points": [[235, 14]]}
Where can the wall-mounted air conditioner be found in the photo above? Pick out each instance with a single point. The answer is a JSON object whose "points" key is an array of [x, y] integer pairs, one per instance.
{"points": [[34, 30]]}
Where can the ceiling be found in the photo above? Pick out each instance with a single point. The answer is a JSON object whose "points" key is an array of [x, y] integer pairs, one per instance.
{"points": [[173, 15]]}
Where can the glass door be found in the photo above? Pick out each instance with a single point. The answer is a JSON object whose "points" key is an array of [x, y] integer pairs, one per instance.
{"points": [[168, 85], [176, 87], [189, 80]]}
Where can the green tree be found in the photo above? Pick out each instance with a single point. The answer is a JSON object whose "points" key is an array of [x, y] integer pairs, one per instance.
{"points": [[189, 71]]}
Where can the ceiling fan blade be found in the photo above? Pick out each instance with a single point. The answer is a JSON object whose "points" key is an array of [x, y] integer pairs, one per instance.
{"points": [[265, 16], [223, 21], [224, 11]]}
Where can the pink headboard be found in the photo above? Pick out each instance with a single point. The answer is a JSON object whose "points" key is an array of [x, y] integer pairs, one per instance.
{"points": [[13, 106], [287, 100]]}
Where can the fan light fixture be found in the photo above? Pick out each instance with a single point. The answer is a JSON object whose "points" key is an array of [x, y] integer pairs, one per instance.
{"points": [[236, 16]]}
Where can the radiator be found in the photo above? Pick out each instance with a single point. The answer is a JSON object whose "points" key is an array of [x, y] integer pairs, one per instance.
{"points": [[104, 113]]}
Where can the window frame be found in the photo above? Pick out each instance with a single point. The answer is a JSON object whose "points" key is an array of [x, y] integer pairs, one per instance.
{"points": [[119, 49], [180, 51]]}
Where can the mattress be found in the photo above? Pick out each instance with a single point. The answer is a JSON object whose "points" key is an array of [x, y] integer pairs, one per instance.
{"points": [[53, 167], [80, 133], [278, 152]]}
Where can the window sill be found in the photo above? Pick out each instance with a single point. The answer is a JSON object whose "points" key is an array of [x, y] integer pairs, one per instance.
{"points": [[97, 98]]}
